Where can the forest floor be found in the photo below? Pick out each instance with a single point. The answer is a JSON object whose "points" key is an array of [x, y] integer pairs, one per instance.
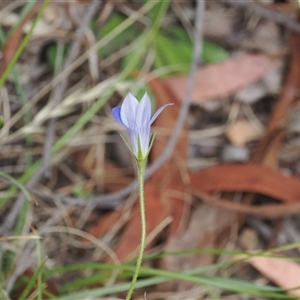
{"points": [[223, 185]]}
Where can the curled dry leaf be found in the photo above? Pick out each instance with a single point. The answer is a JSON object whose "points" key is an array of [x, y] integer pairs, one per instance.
{"points": [[247, 178]]}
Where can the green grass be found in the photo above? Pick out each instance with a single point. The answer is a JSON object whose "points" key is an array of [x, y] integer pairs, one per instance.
{"points": [[150, 276]]}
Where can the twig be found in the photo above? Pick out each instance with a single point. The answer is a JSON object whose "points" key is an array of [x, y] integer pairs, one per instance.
{"points": [[62, 87], [47, 196], [266, 12]]}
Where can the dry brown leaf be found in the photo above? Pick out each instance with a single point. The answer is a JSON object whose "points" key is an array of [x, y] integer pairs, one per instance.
{"points": [[248, 239], [105, 224], [285, 273], [222, 79], [111, 177], [172, 178], [242, 132]]}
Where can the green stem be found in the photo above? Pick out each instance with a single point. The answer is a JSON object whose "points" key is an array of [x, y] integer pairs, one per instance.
{"points": [[141, 172]]}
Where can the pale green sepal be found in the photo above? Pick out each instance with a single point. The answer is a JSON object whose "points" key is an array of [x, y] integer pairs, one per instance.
{"points": [[151, 143], [127, 145], [140, 157]]}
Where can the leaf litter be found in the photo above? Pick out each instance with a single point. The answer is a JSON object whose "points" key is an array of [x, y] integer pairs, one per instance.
{"points": [[186, 209]]}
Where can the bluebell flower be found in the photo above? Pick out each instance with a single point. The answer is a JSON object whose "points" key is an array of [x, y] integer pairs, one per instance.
{"points": [[136, 117]]}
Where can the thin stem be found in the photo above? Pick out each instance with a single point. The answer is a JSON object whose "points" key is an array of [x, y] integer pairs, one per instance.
{"points": [[141, 172]]}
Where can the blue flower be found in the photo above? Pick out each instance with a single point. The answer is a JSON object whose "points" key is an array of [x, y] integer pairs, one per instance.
{"points": [[136, 117]]}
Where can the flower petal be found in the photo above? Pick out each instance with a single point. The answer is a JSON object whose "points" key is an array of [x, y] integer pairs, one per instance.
{"points": [[134, 140], [128, 111], [158, 112], [116, 114], [143, 113], [136, 117], [144, 134]]}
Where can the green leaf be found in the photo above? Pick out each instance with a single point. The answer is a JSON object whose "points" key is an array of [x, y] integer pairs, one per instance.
{"points": [[121, 40], [171, 51], [213, 53], [51, 54], [174, 47], [179, 34]]}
